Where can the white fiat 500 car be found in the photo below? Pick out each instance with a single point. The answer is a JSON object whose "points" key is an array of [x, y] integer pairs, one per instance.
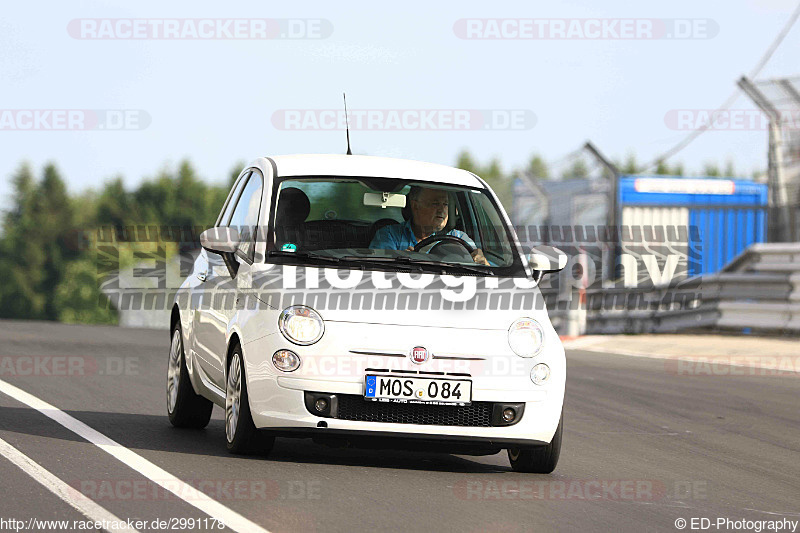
{"points": [[369, 301]]}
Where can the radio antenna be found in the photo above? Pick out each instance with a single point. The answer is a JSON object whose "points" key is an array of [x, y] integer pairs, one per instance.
{"points": [[347, 125]]}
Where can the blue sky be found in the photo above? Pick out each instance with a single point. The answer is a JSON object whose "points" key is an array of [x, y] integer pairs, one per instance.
{"points": [[212, 101]]}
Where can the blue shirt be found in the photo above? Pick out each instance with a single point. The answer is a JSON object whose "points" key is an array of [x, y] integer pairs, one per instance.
{"points": [[401, 237]]}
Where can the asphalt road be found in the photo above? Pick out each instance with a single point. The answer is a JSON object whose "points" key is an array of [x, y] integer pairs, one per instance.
{"points": [[643, 447]]}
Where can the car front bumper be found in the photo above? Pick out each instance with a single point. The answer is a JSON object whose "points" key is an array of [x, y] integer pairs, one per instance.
{"points": [[280, 404], [277, 399]]}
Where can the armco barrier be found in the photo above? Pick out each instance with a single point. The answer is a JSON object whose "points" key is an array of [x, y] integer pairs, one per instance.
{"points": [[759, 315], [758, 291]]}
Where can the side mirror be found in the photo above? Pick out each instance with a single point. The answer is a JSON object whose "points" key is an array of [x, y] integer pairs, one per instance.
{"points": [[220, 240], [547, 259]]}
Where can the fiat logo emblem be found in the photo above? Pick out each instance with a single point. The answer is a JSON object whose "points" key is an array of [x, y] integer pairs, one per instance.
{"points": [[419, 355]]}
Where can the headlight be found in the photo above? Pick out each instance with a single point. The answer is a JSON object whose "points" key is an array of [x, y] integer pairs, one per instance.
{"points": [[526, 337], [301, 325]]}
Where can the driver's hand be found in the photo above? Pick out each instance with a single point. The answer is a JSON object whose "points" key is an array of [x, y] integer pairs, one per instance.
{"points": [[478, 257], [410, 249]]}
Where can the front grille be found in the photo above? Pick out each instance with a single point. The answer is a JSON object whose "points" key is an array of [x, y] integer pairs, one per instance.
{"points": [[353, 407]]}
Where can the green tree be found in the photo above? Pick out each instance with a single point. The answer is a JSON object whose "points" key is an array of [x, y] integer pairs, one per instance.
{"points": [[78, 298], [711, 170], [178, 199], [631, 166], [21, 261], [537, 168], [663, 168], [499, 182], [577, 170], [38, 240], [49, 271], [55, 217], [467, 162], [492, 174], [730, 169], [115, 206]]}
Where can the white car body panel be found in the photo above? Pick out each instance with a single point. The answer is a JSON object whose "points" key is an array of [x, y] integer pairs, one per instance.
{"points": [[465, 341], [360, 165]]}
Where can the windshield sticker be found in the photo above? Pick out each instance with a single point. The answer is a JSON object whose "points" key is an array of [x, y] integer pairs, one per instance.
{"points": [[289, 247]]}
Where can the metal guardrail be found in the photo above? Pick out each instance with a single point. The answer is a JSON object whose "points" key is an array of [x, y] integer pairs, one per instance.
{"points": [[765, 257], [758, 291]]}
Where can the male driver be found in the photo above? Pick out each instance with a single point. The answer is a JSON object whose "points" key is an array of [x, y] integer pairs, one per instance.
{"points": [[429, 212]]}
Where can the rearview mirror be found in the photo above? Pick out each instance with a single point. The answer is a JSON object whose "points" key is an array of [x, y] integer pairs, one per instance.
{"points": [[221, 240], [547, 259], [384, 199]]}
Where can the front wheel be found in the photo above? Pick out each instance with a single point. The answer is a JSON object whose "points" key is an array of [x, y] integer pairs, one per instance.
{"points": [[240, 431], [186, 409], [538, 459]]}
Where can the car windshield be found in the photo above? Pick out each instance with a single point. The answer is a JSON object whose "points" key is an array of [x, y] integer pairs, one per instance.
{"points": [[390, 224]]}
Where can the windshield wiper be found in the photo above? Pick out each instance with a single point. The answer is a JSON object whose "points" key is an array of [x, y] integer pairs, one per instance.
{"points": [[407, 261], [461, 266], [417, 264], [303, 255]]}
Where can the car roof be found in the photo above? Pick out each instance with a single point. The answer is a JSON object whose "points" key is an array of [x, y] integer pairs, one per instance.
{"points": [[364, 165]]}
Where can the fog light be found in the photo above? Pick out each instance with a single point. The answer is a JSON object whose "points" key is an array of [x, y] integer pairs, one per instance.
{"points": [[540, 373], [321, 405], [286, 360], [509, 415]]}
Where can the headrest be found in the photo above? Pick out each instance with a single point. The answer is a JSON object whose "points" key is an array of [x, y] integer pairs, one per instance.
{"points": [[293, 207]]}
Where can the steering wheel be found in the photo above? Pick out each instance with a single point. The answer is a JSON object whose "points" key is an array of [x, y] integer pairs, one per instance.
{"points": [[441, 239]]}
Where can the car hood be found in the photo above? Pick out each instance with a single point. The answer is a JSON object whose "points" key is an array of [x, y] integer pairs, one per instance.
{"points": [[465, 302], [454, 318]]}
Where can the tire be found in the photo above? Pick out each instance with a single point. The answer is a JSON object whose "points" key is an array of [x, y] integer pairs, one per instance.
{"points": [[241, 434], [538, 459], [185, 408]]}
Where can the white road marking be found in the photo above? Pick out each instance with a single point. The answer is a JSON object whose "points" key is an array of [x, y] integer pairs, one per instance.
{"points": [[791, 513], [70, 495], [156, 474]]}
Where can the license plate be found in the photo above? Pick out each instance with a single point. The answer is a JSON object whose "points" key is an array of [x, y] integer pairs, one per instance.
{"points": [[404, 389]]}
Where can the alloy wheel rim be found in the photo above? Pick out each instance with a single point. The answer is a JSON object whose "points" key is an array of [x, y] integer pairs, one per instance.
{"points": [[233, 397], [174, 371]]}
